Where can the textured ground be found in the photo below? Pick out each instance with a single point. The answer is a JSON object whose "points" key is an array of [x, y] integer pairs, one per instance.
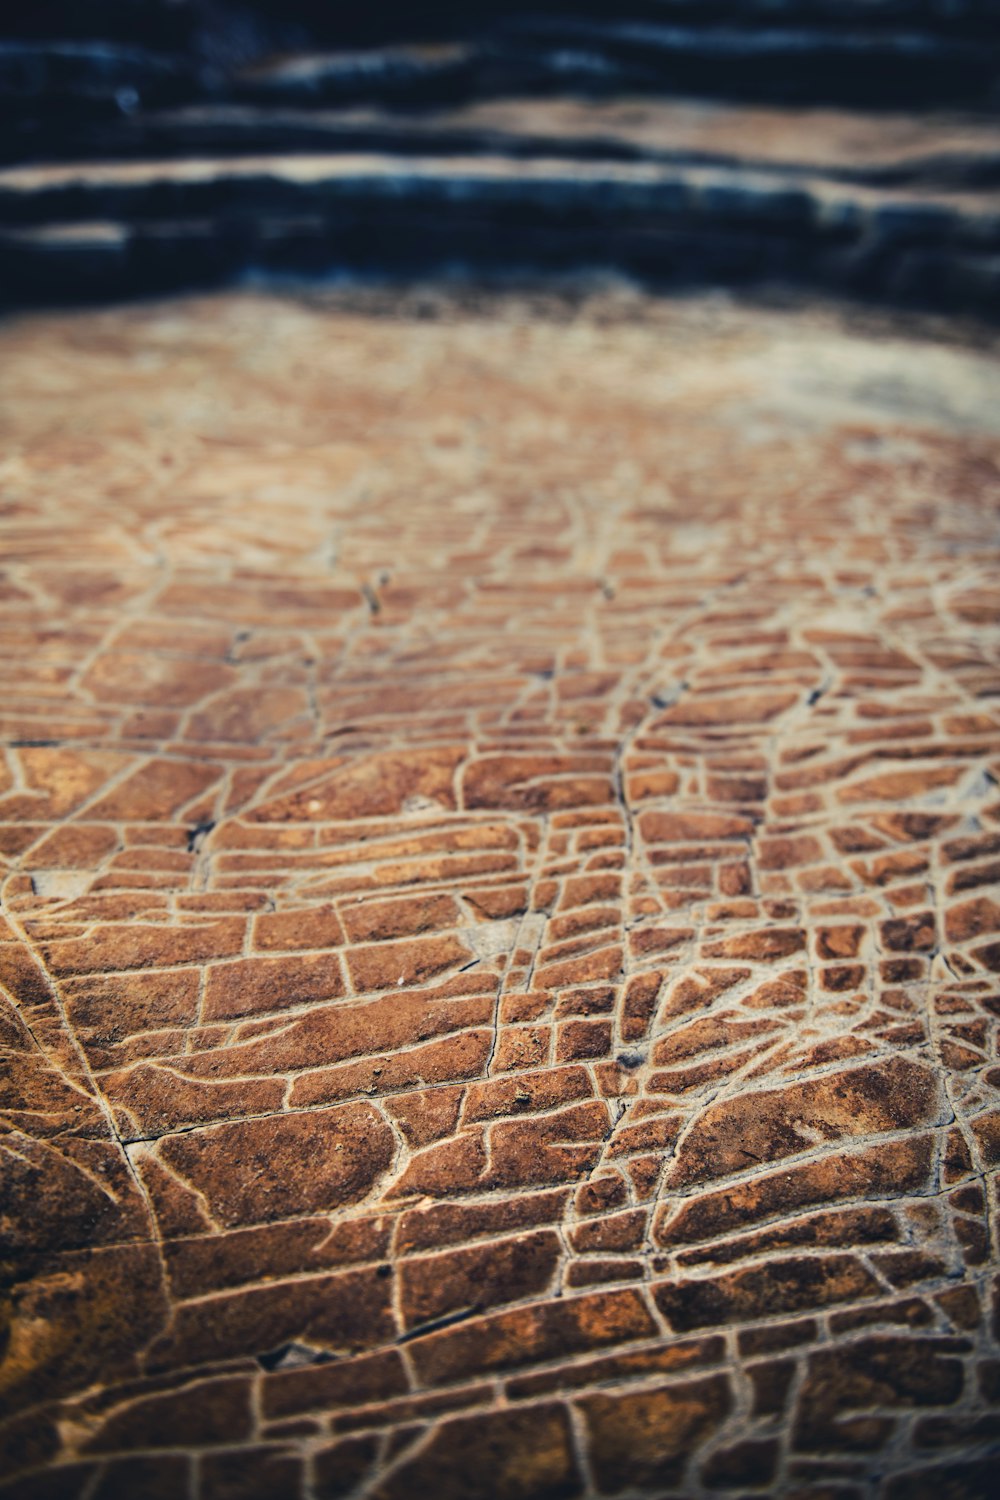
{"points": [[501, 918]]}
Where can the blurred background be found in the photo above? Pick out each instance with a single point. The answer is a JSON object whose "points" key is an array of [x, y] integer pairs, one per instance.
{"points": [[851, 145]]}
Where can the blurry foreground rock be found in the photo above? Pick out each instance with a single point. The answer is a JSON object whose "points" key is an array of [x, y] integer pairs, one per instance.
{"points": [[847, 144]]}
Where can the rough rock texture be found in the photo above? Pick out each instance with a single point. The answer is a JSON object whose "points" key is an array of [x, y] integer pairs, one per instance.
{"points": [[501, 912]]}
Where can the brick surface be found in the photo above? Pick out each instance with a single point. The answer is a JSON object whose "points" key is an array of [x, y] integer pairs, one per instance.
{"points": [[501, 901]]}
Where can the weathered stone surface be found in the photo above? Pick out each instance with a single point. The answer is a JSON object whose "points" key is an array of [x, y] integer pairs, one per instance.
{"points": [[501, 901]]}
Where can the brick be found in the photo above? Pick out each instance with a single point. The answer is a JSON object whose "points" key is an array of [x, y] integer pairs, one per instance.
{"points": [[364, 786], [897, 786], [213, 1262], [543, 1151], [525, 1336], [160, 1478], [970, 918], [251, 1473], [659, 1360], [751, 1463], [324, 1387], [526, 1093], [120, 946], [759, 946], [454, 1223], [908, 934], [583, 1039], [337, 1470], [744, 709], [387, 965], [693, 828], [464, 1055]]}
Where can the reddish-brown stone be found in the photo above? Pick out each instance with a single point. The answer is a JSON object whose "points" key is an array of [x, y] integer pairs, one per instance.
{"points": [[507, 1340], [478, 1277], [537, 782], [780, 1287], [340, 1314], [647, 1437], [255, 985], [765, 1126], [843, 1385], [507, 1455], [283, 1165]]}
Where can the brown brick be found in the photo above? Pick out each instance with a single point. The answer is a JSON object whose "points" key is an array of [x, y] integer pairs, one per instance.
{"points": [[908, 934], [338, 1469], [456, 1223], [324, 1387], [388, 965], [363, 786], [970, 918], [206, 1263], [251, 1473], [537, 782], [540, 1152], [453, 1057], [788, 853], [138, 946], [839, 942], [750, 1464], [762, 947], [407, 916], [692, 828], [893, 1166], [583, 1039]]}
